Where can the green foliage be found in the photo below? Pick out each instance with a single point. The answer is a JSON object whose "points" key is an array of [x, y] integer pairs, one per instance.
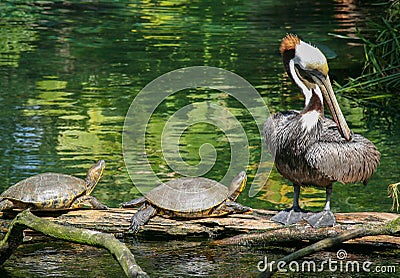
{"points": [[382, 55], [393, 192]]}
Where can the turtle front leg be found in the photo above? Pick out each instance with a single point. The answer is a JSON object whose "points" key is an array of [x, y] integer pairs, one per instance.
{"points": [[133, 203], [90, 200], [141, 217], [230, 207], [6, 204]]}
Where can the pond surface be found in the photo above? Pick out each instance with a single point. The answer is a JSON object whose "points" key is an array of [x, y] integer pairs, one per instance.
{"points": [[69, 71]]}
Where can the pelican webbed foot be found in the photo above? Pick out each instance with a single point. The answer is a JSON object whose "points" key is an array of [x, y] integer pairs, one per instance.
{"points": [[289, 216], [324, 218], [294, 214]]}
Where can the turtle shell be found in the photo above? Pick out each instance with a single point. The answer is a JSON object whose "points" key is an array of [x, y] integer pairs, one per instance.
{"points": [[46, 191], [188, 195]]}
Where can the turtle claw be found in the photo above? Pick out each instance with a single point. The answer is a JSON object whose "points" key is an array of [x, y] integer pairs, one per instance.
{"points": [[141, 217], [134, 227], [324, 218], [289, 216], [88, 200]]}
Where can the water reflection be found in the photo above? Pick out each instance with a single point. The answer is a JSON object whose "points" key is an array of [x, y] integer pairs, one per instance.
{"points": [[85, 63], [58, 259], [69, 71], [348, 15]]}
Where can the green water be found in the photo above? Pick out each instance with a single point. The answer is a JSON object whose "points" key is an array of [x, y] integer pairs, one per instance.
{"points": [[70, 70]]}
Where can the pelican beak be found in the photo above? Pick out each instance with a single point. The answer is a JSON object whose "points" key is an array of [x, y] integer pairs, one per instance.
{"points": [[330, 99]]}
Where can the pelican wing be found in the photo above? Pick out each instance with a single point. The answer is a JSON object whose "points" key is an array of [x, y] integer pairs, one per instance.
{"points": [[341, 160]]}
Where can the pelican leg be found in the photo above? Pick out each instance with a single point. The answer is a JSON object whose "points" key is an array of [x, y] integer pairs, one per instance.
{"points": [[324, 218], [291, 215]]}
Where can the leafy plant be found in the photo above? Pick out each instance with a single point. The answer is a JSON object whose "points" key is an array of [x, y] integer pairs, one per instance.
{"points": [[382, 55]]}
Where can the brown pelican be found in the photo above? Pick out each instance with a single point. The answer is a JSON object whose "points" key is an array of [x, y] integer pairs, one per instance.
{"points": [[309, 149]]}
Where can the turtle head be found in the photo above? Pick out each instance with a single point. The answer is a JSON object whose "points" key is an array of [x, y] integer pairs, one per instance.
{"points": [[237, 186], [94, 175]]}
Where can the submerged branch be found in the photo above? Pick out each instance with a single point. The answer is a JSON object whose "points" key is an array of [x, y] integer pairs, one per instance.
{"points": [[391, 228], [26, 219]]}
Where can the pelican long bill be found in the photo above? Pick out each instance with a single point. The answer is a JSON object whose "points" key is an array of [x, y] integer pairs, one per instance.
{"points": [[333, 105]]}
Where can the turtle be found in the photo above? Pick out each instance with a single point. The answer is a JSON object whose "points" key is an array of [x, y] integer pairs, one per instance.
{"points": [[54, 191], [188, 197]]}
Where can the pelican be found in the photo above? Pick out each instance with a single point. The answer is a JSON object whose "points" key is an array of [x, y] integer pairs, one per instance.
{"points": [[309, 149]]}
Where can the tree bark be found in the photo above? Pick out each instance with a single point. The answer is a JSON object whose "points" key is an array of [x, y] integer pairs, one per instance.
{"points": [[247, 227], [26, 219]]}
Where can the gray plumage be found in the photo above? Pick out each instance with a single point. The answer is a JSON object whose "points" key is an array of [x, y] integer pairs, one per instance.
{"points": [[308, 148], [320, 156]]}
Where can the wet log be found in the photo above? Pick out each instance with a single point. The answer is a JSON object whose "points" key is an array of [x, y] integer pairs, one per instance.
{"points": [[373, 226], [116, 221]]}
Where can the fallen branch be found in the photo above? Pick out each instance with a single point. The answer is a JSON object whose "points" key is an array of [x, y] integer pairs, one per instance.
{"points": [[26, 219], [391, 228], [303, 232]]}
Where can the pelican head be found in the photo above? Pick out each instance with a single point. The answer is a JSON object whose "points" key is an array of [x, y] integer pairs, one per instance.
{"points": [[308, 68]]}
